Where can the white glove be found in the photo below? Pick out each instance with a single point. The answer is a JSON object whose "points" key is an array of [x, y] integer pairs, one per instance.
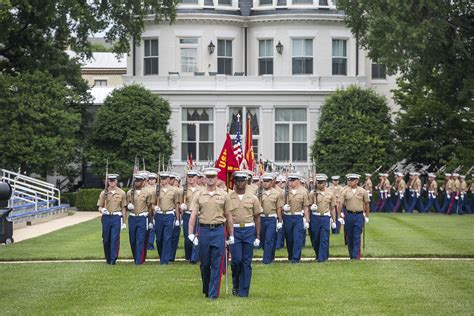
{"points": [[388, 195], [150, 226], [104, 211], [286, 208], [181, 223], [124, 226], [396, 193], [157, 209], [130, 207], [305, 223], [279, 226], [366, 219], [341, 220], [333, 225], [184, 207], [401, 195], [256, 243], [313, 207], [342, 215], [448, 195], [456, 197], [231, 240], [176, 222], [194, 239]]}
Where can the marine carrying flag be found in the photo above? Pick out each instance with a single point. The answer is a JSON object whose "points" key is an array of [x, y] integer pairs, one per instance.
{"points": [[238, 143], [227, 162], [248, 144]]}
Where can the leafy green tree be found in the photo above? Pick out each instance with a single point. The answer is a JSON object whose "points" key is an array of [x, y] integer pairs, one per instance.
{"points": [[38, 123], [354, 133], [428, 44], [131, 123]]}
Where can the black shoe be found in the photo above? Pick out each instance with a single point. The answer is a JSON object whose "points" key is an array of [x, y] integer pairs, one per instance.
{"points": [[235, 292]]}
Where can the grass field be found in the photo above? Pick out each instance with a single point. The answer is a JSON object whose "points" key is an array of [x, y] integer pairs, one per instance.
{"points": [[338, 287], [388, 235]]}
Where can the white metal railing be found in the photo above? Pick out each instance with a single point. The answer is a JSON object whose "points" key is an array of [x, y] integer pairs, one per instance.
{"points": [[31, 190]]}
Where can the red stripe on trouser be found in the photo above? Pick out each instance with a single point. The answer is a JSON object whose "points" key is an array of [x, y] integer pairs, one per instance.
{"points": [[145, 242], [451, 203]]}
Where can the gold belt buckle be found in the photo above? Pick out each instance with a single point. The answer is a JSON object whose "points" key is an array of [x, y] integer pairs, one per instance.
{"points": [[242, 225]]}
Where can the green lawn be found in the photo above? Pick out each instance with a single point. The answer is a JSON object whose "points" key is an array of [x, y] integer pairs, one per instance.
{"points": [[388, 235], [338, 287]]}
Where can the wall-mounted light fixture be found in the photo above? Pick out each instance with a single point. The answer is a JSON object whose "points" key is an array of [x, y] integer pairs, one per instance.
{"points": [[211, 47], [279, 48]]}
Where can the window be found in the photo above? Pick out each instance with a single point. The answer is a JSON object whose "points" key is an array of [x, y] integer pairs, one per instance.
{"points": [[238, 117], [378, 71], [197, 134], [151, 57], [225, 2], [339, 57], [188, 50], [266, 2], [302, 56], [323, 3], [291, 135], [189, 1], [224, 57], [265, 57], [100, 83], [302, 2]]}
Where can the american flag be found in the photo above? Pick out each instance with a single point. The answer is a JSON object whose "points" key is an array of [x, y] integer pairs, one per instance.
{"points": [[237, 143]]}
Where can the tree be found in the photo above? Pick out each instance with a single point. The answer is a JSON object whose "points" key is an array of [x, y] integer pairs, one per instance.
{"points": [[354, 133], [131, 123], [428, 44], [35, 33], [38, 124]]}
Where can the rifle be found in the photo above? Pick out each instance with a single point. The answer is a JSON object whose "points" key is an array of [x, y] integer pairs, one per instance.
{"points": [[380, 167], [440, 170], [132, 185], [470, 169], [260, 190], [106, 183], [185, 188], [286, 190], [158, 184]]}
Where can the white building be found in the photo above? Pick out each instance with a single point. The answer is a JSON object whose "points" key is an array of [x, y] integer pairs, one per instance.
{"points": [[276, 60]]}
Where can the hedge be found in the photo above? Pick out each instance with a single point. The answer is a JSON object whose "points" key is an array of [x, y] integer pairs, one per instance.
{"points": [[86, 199]]}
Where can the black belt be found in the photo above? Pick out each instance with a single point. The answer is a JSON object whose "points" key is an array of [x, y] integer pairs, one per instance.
{"points": [[212, 225], [358, 212]]}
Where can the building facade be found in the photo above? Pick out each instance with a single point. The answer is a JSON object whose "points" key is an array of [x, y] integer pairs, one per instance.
{"points": [[273, 60]]}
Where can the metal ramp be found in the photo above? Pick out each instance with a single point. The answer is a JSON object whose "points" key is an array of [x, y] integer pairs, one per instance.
{"points": [[32, 198]]}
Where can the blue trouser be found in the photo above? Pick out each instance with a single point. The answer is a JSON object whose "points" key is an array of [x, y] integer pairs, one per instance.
{"points": [[294, 229], [191, 253], [432, 202], [137, 231], [398, 203], [241, 263], [151, 240], [111, 225], [336, 230], [211, 250], [319, 227], [354, 226], [410, 202], [268, 236], [280, 238], [164, 224], [175, 241]]}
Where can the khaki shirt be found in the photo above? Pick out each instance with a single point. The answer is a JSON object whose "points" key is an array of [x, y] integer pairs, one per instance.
{"points": [[433, 187], [190, 194], [463, 186], [368, 185], [244, 210], [271, 200], [336, 190], [384, 185], [211, 209], [141, 199], [325, 200], [450, 185], [152, 190], [169, 196], [402, 186], [457, 185], [116, 200], [252, 188], [297, 200], [354, 201], [416, 185]]}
